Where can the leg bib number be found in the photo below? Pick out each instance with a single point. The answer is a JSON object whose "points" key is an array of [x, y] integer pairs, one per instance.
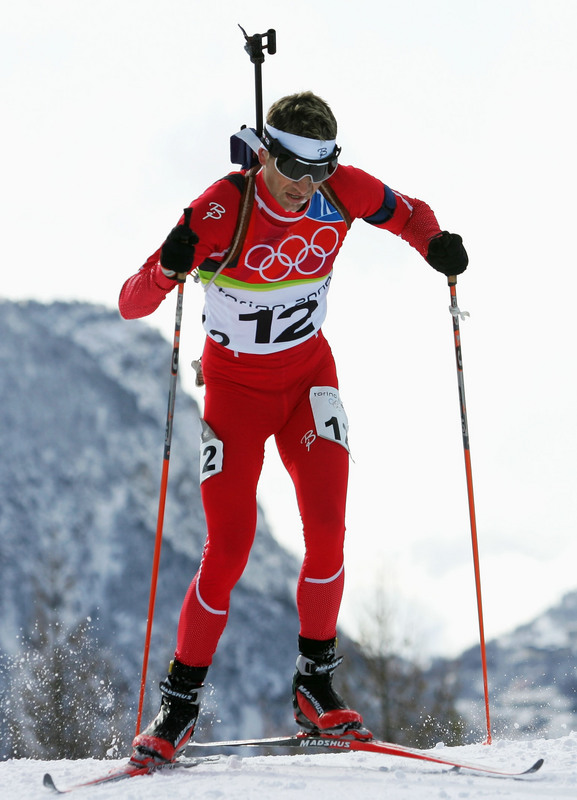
{"points": [[211, 452], [329, 414]]}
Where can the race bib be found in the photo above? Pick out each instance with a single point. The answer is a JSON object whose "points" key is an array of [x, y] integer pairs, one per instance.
{"points": [[265, 321], [329, 414], [211, 452]]}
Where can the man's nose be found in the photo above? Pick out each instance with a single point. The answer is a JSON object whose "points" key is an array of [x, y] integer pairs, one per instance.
{"points": [[304, 184]]}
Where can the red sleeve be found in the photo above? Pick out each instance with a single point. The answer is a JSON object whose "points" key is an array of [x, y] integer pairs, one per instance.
{"points": [[213, 220], [144, 292], [421, 226], [368, 198]]}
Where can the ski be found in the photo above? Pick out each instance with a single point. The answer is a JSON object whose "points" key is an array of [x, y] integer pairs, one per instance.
{"points": [[129, 770], [299, 741], [342, 744]]}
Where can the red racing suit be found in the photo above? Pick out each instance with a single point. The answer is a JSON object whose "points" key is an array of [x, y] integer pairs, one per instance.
{"points": [[269, 371]]}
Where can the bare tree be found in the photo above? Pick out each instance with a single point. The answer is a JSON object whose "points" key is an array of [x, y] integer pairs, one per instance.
{"points": [[401, 703]]}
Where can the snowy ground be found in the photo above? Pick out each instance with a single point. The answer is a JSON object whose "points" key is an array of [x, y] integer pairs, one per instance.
{"points": [[338, 776]]}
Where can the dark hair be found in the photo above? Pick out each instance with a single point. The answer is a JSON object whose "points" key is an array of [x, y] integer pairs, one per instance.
{"points": [[304, 114]]}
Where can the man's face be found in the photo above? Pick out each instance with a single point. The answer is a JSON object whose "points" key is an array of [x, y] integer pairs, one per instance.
{"points": [[291, 195]]}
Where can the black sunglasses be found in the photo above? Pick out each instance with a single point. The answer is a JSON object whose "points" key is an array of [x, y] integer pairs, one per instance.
{"points": [[295, 168]]}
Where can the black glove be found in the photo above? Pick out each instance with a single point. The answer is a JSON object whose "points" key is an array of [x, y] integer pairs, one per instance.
{"points": [[446, 254], [177, 253]]}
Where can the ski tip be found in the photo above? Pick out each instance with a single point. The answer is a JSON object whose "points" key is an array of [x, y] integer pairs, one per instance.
{"points": [[48, 782], [536, 766]]}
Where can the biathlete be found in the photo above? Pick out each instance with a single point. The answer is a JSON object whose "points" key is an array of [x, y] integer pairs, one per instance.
{"points": [[263, 243]]}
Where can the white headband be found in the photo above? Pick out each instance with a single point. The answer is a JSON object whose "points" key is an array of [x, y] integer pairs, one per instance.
{"points": [[308, 149]]}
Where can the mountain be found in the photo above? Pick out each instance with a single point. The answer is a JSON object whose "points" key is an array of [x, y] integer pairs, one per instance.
{"points": [[532, 677], [83, 399]]}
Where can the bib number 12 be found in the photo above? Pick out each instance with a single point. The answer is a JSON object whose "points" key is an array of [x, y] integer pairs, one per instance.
{"points": [[298, 328]]}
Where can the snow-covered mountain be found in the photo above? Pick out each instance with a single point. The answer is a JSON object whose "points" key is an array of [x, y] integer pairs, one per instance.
{"points": [[83, 399], [532, 677]]}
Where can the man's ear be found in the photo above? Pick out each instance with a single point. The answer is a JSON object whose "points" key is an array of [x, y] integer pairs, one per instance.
{"points": [[262, 156]]}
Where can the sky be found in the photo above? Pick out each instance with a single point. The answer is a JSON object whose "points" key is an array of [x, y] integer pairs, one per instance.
{"points": [[118, 114]]}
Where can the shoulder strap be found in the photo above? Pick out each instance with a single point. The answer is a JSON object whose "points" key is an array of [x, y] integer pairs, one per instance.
{"points": [[329, 194], [242, 220]]}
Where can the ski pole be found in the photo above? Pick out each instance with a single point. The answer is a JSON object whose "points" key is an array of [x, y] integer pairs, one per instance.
{"points": [[163, 488], [456, 313]]}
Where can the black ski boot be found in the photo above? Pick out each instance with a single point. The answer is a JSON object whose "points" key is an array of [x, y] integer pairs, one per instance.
{"points": [[318, 708], [170, 730]]}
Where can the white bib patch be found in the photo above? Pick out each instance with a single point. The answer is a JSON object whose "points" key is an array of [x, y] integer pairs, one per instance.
{"points": [[266, 322], [211, 453], [329, 414]]}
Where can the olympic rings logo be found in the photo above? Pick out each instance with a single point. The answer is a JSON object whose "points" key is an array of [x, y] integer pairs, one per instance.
{"points": [[308, 260]]}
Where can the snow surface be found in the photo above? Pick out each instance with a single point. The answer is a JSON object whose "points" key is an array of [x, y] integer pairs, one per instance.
{"points": [[338, 776]]}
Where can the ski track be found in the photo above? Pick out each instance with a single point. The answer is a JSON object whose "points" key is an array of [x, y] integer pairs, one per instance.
{"points": [[338, 775]]}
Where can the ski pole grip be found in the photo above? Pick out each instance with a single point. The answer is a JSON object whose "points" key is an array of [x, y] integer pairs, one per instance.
{"points": [[187, 216]]}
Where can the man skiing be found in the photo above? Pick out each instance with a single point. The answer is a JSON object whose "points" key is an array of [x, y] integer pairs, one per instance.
{"points": [[269, 371]]}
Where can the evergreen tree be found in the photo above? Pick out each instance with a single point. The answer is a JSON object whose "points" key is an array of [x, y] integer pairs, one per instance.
{"points": [[62, 703], [59, 700]]}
